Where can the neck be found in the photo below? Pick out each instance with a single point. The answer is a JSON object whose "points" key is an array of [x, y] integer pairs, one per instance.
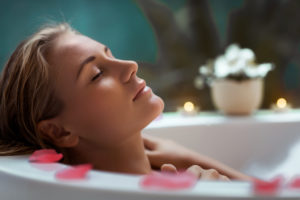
{"points": [[127, 157]]}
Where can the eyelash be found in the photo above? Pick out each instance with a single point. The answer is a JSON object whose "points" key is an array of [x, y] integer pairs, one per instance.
{"points": [[97, 75]]}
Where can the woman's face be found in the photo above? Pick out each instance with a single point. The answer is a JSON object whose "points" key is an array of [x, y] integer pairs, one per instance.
{"points": [[105, 102]]}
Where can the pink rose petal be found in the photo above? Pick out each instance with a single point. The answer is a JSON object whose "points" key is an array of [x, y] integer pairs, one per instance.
{"points": [[44, 151], [294, 183], [45, 156], [267, 187], [170, 181], [74, 172]]}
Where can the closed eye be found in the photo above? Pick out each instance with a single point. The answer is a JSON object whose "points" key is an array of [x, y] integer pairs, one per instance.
{"points": [[97, 75]]}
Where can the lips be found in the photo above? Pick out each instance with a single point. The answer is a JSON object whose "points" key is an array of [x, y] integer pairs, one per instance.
{"points": [[139, 90]]}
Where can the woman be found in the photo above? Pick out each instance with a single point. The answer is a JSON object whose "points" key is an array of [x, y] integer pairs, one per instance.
{"points": [[63, 90]]}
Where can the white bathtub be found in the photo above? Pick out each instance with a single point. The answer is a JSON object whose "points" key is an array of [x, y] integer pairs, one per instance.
{"points": [[263, 145]]}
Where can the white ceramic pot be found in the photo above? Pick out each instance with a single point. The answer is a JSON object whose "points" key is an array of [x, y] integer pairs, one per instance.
{"points": [[237, 97]]}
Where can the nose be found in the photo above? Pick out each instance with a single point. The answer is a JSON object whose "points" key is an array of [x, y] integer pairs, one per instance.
{"points": [[129, 69]]}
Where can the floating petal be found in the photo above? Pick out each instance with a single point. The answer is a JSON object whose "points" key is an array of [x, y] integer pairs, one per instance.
{"points": [[168, 181], [267, 187], [45, 156]]}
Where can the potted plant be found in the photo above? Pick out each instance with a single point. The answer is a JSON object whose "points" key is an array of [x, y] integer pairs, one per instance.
{"points": [[236, 80]]}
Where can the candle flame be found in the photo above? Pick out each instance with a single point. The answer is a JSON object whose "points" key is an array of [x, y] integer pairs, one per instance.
{"points": [[188, 106], [281, 103]]}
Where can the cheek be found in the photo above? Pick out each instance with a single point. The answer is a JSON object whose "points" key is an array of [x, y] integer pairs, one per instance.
{"points": [[107, 123], [101, 115]]}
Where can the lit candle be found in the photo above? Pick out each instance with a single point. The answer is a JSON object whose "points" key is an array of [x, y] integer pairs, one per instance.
{"points": [[188, 109], [281, 105]]}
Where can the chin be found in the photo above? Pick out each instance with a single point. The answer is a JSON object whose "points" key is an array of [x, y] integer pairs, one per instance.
{"points": [[156, 107], [161, 105], [148, 111]]}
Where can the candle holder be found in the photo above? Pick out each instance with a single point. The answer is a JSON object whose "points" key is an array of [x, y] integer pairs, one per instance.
{"points": [[188, 109], [281, 106]]}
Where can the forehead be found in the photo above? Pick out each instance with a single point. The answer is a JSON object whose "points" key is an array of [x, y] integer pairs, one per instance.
{"points": [[72, 48]]}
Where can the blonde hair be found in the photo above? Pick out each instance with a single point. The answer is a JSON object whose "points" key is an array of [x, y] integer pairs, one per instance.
{"points": [[26, 93]]}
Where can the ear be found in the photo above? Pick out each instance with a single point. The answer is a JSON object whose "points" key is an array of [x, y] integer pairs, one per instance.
{"points": [[51, 130]]}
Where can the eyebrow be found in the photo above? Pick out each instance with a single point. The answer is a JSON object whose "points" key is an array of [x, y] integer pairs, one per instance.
{"points": [[86, 61]]}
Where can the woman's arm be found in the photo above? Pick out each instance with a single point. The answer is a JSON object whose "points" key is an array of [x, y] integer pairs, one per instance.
{"points": [[161, 151]]}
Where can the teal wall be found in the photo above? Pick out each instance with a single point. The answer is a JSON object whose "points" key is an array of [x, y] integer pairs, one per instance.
{"points": [[120, 24], [116, 23]]}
